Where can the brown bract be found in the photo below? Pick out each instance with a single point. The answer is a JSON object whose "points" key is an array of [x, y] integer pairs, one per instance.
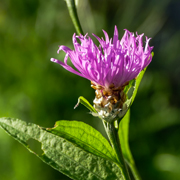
{"points": [[113, 96]]}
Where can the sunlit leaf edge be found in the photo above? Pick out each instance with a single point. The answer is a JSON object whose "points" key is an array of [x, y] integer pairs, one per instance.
{"points": [[79, 129]]}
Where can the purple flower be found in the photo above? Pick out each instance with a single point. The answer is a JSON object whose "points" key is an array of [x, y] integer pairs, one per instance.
{"points": [[115, 62]]}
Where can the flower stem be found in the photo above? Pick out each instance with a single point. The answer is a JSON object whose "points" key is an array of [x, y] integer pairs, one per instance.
{"points": [[115, 143], [73, 13]]}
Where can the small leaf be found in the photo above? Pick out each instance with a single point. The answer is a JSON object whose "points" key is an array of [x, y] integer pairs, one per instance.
{"points": [[137, 83], [84, 136], [152, 53], [129, 89], [85, 102], [61, 154]]}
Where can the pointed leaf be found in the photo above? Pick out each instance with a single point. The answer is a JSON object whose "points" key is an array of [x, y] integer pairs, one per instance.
{"points": [[137, 83], [138, 80], [84, 136], [85, 102], [61, 154]]}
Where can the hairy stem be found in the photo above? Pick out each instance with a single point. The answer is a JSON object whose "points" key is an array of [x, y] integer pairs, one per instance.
{"points": [[73, 13]]}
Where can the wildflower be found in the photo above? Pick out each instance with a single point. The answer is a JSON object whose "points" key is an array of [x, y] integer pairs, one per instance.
{"points": [[109, 67]]}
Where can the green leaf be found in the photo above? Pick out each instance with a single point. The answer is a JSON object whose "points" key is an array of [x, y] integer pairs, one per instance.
{"points": [[138, 80], [124, 140], [123, 135], [84, 136], [129, 89], [124, 131], [85, 102], [61, 154], [137, 83]]}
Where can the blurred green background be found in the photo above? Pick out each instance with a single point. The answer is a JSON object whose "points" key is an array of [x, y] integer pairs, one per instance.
{"points": [[36, 90]]}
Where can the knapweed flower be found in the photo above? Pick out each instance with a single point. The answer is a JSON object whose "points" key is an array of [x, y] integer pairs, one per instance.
{"points": [[109, 66]]}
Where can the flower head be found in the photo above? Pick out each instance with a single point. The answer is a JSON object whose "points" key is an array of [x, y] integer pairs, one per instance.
{"points": [[110, 66], [113, 62]]}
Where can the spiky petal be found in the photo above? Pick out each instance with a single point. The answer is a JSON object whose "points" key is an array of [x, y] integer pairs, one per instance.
{"points": [[113, 62]]}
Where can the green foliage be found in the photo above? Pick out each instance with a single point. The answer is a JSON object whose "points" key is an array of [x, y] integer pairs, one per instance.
{"points": [[86, 103], [85, 137], [137, 83], [123, 131], [36, 90], [124, 140], [73, 13], [62, 154]]}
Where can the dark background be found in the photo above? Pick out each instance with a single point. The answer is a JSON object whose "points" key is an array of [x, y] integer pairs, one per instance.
{"points": [[36, 90]]}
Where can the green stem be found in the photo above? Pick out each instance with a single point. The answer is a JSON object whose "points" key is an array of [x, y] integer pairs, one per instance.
{"points": [[115, 142], [73, 13], [134, 171]]}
